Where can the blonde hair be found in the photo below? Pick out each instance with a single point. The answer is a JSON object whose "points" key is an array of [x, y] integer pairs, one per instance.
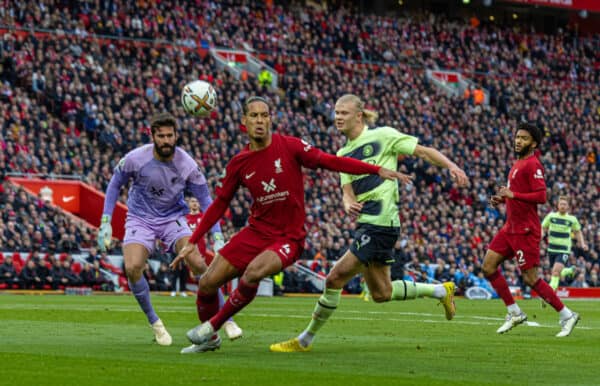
{"points": [[369, 116], [563, 198]]}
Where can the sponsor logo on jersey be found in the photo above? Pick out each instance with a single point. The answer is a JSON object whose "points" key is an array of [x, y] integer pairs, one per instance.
{"points": [[269, 186], [157, 192]]}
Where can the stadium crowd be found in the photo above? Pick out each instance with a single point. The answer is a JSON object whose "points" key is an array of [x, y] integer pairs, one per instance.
{"points": [[73, 104]]}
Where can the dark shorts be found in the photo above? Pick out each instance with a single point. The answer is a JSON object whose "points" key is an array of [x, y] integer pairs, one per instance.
{"points": [[375, 244], [525, 248], [248, 243], [559, 257]]}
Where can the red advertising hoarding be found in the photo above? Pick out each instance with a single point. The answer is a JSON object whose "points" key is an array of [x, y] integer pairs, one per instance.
{"points": [[75, 197]]}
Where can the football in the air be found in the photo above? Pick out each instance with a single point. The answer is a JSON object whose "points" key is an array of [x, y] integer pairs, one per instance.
{"points": [[198, 98]]}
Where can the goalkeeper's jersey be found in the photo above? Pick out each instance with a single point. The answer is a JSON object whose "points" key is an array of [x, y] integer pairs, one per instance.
{"points": [[380, 146], [560, 227]]}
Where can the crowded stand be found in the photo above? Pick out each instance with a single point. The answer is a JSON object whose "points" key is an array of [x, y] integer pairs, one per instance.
{"points": [[73, 105]]}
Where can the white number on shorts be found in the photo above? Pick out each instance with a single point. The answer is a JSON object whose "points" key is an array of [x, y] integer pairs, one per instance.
{"points": [[520, 258], [285, 249]]}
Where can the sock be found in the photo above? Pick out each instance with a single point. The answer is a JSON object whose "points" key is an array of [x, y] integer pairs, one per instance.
{"points": [[565, 313], [514, 309], [326, 305], [141, 291], [567, 271], [239, 299], [554, 282], [548, 294], [222, 301], [430, 290], [207, 305], [498, 281], [404, 290]]}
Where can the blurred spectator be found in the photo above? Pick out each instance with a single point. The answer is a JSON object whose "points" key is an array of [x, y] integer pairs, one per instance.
{"points": [[8, 273]]}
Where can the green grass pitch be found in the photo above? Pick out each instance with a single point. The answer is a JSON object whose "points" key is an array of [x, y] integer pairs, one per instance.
{"points": [[105, 340]]}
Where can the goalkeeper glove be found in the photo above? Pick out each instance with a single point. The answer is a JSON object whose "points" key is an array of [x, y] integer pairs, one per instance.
{"points": [[218, 241], [104, 233]]}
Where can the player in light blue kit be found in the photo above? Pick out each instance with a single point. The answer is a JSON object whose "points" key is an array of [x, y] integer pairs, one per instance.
{"points": [[160, 172]]}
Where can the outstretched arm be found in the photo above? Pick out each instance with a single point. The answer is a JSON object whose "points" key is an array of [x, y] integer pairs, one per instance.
{"points": [[203, 196], [435, 157], [211, 216], [353, 166], [214, 212], [104, 237], [536, 197], [112, 192]]}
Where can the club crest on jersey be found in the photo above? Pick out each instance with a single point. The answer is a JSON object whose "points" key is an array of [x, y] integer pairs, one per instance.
{"points": [[278, 168], [538, 174], [368, 151]]}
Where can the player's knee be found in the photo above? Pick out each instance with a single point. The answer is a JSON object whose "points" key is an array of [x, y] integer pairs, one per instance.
{"points": [[334, 281], [134, 271], [380, 297], [205, 286], [252, 275], [488, 269]]}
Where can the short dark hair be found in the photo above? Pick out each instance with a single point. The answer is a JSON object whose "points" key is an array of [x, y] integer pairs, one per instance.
{"points": [[162, 119], [533, 130], [254, 98]]}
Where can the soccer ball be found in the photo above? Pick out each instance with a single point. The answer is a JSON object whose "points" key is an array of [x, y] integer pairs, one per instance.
{"points": [[198, 98]]}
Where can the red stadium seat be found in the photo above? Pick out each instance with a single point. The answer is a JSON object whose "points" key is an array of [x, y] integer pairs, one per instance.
{"points": [[17, 258], [76, 267]]}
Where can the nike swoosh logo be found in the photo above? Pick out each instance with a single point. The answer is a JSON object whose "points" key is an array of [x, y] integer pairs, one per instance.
{"points": [[248, 176], [68, 198]]}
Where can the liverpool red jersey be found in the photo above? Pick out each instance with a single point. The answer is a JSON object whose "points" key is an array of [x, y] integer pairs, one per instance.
{"points": [[526, 176], [273, 176], [193, 220]]}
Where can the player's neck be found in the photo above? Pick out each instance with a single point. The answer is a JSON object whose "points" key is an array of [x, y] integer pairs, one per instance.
{"points": [[355, 132], [259, 145]]}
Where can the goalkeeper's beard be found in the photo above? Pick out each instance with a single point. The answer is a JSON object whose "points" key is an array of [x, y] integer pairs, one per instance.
{"points": [[165, 151]]}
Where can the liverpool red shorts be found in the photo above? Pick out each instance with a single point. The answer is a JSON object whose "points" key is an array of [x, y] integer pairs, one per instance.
{"points": [[248, 243], [525, 248]]}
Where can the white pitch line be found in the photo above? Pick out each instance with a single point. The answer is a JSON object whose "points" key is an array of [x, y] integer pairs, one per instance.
{"points": [[389, 316]]}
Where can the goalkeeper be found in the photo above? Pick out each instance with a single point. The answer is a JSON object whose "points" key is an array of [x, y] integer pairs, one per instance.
{"points": [[160, 172]]}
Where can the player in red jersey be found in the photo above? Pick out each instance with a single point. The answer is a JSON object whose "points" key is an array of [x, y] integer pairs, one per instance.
{"points": [[271, 168], [232, 330], [193, 219], [521, 234]]}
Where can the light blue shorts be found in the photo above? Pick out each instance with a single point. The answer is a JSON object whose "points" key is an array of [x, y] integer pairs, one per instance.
{"points": [[138, 231]]}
